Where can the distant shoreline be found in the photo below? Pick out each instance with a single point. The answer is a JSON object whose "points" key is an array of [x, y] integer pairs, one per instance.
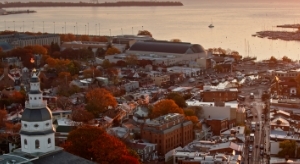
{"points": [[84, 4]]}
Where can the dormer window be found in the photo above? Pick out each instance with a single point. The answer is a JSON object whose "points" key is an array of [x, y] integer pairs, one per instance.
{"points": [[36, 125], [47, 124], [34, 98], [25, 125]]}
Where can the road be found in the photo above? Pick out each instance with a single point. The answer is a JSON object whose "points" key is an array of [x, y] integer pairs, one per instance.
{"points": [[261, 133]]}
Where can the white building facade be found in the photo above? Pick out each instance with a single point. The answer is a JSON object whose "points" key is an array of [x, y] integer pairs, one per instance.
{"points": [[37, 131]]}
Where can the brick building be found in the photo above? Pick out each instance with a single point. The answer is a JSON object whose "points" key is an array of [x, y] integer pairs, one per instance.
{"points": [[212, 94], [168, 132]]}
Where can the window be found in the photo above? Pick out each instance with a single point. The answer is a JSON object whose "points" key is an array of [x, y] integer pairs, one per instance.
{"points": [[37, 144], [25, 125], [39, 97], [34, 98], [47, 124], [36, 125], [49, 142], [25, 142]]}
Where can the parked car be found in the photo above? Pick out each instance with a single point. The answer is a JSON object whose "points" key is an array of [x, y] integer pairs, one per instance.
{"points": [[261, 146], [250, 148]]}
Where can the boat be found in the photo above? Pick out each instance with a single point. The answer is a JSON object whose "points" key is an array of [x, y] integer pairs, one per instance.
{"points": [[211, 25]]}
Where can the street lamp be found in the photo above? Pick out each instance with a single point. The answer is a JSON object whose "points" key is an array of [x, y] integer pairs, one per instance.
{"points": [[54, 27]]}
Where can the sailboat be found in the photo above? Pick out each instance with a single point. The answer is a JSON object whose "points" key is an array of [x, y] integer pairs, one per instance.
{"points": [[211, 25]]}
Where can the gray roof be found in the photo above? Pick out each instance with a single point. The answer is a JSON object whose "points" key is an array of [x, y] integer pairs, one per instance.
{"points": [[167, 47], [62, 157], [5, 46], [36, 115], [37, 132]]}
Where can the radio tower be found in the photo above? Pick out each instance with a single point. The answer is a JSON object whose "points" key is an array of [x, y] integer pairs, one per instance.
{"points": [[94, 1]]}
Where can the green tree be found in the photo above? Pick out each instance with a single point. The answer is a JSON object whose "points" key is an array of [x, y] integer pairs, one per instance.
{"points": [[145, 32], [288, 148], [197, 110], [177, 98]]}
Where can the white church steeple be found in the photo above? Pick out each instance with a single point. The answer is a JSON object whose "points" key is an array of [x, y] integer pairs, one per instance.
{"points": [[37, 131]]}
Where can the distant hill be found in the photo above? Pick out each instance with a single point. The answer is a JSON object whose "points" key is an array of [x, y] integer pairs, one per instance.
{"points": [[84, 4]]}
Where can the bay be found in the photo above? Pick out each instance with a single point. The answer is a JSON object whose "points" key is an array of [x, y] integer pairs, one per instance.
{"points": [[234, 20]]}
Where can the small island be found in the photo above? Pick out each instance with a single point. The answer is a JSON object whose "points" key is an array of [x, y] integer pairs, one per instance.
{"points": [[85, 4], [282, 35]]}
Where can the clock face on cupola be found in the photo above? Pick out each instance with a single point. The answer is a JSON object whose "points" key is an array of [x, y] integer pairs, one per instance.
{"points": [[37, 131]]}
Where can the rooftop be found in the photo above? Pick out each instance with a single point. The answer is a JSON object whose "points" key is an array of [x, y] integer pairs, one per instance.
{"points": [[167, 47]]}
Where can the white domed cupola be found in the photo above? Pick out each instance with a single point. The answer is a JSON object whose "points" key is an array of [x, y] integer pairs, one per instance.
{"points": [[37, 131]]}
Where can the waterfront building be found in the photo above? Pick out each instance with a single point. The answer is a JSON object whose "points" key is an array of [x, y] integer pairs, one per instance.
{"points": [[167, 53], [23, 39]]}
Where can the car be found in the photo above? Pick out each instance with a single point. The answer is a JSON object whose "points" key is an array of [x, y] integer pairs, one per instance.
{"points": [[250, 155], [250, 148], [256, 146], [261, 153], [261, 146]]}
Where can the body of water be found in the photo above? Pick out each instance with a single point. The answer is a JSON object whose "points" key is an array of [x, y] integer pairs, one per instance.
{"points": [[234, 20]]}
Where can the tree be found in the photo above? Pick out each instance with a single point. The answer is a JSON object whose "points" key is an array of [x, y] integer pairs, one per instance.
{"points": [[178, 99], [94, 143], [36, 49], [81, 115], [131, 59], [112, 51], [64, 77], [286, 59], [197, 111], [144, 32], [63, 102], [273, 59], [90, 73], [175, 40], [3, 118], [17, 97], [164, 107], [106, 64], [84, 38], [288, 148], [99, 100], [194, 119]]}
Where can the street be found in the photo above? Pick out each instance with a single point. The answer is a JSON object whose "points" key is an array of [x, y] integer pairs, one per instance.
{"points": [[256, 154]]}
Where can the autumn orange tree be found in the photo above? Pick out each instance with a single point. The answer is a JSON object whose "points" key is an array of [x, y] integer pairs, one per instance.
{"points": [[99, 100], [81, 115], [112, 51], [92, 72], [94, 143], [164, 107]]}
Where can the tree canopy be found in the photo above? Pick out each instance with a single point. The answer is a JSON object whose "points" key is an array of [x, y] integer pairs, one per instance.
{"points": [[288, 148], [286, 59], [81, 115], [99, 100], [112, 51], [164, 107], [145, 32], [94, 143], [175, 40], [177, 98]]}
